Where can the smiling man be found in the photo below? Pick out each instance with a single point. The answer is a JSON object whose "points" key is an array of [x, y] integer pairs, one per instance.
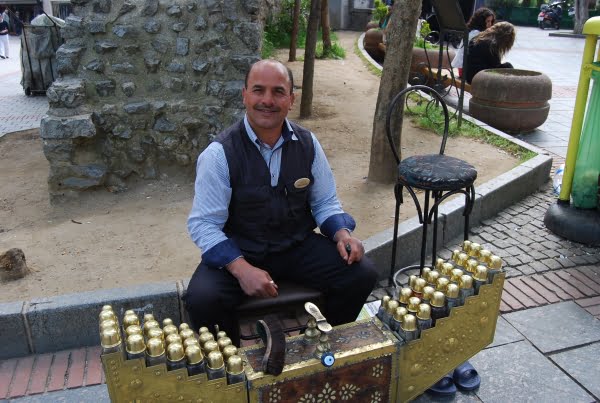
{"points": [[262, 187]]}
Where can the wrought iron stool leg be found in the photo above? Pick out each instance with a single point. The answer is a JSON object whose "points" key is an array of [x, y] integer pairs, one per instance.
{"points": [[398, 195], [436, 198], [425, 222]]}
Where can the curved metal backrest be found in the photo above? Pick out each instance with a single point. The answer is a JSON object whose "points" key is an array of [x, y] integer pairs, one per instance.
{"points": [[399, 97]]}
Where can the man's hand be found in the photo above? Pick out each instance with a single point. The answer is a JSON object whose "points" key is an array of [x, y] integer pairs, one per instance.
{"points": [[254, 281], [350, 249]]}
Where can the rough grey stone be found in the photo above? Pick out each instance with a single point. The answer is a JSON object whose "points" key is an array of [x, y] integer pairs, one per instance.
{"points": [[214, 88], [252, 7], [159, 106], [137, 107], [200, 23], [200, 66], [206, 44], [179, 26], [195, 86], [232, 93], [152, 26], [58, 150], [174, 10], [66, 93], [122, 131], [151, 64], [67, 59], [13, 338], [182, 47], [159, 45], [212, 6], [243, 63], [162, 124], [173, 83], [191, 123], [125, 31], [95, 65], [105, 88], [85, 176], [74, 27], [191, 5], [176, 67], [128, 88], [137, 154], [127, 7], [102, 6], [150, 8], [96, 27], [125, 68], [131, 49], [105, 46], [221, 27], [250, 33], [76, 126]]}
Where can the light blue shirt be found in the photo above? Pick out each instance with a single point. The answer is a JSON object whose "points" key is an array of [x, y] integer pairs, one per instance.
{"points": [[210, 208]]}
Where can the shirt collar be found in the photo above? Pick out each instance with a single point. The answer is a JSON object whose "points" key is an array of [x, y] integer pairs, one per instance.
{"points": [[286, 134]]}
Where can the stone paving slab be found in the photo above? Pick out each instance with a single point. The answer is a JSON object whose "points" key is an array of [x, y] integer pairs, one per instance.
{"points": [[92, 394], [556, 327], [583, 364], [505, 334], [517, 372]]}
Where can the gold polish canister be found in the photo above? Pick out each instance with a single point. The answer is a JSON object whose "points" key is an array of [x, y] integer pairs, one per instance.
{"points": [[413, 305], [480, 278], [447, 270], [175, 357], [135, 346], [209, 347], [389, 312], [404, 295], [455, 275], [205, 337], [442, 283], [461, 262], [433, 277], [221, 334], [465, 288], [455, 254], [215, 367], [228, 351], [223, 342], [195, 360], [130, 319], [148, 317], [173, 338], [155, 352], [183, 326], [235, 370], [427, 293], [129, 312], [494, 267], [110, 340], [452, 297], [133, 329], [203, 329], [190, 341], [408, 328], [474, 250], [155, 332], [417, 288], [411, 280], [107, 315], [398, 318], [425, 272], [382, 308], [466, 246], [438, 264], [186, 333], [166, 322], [438, 306], [170, 329], [107, 308], [107, 324], [484, 257], [424, 320], [150, 324]]}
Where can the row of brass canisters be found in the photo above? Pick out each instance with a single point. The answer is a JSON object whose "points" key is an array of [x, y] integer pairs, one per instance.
{"points": [[432, 295], [177, 347]]}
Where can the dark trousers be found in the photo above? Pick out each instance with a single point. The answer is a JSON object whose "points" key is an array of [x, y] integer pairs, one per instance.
{"points": [[213, 294]]}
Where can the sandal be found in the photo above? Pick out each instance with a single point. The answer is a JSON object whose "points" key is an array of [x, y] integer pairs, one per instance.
{"points": [[466, 377], [443, 387]]}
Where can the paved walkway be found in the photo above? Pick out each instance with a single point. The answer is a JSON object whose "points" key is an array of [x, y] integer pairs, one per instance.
{"points": [[547, 343]]}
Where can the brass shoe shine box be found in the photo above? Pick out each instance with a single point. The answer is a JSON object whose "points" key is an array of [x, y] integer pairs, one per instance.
{"points": [[371, 364]]}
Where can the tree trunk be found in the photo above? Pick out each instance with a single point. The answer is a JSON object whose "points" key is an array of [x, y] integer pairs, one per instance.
{"points": [[325, 27], [309, 59], [295, 28], [581, 15], [400, 37]]}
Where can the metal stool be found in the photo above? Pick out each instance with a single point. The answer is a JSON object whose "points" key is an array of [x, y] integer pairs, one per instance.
{"points": [[291, 298], [440, 176]]}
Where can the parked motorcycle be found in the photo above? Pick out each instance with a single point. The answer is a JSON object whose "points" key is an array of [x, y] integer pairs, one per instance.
{"points": [[550, 15]]}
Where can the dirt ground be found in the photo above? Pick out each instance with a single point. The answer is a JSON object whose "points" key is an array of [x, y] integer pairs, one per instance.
{"points": [[106, 240]]}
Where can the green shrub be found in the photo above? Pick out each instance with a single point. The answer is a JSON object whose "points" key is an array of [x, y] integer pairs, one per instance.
{"points": [[380, 11]]}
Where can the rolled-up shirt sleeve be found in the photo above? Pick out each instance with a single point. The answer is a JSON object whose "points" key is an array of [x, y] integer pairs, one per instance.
{"points": [[210, 208], [326, 207]]}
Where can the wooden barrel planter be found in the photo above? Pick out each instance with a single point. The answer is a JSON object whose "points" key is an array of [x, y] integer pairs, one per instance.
{"points": [[511, 100]]}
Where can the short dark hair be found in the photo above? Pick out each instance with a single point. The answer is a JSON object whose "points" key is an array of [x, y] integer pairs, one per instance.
{"points": [[289, 72]]}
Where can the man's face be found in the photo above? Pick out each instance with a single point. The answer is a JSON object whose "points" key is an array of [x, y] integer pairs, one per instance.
{"points": [[268, 97]]}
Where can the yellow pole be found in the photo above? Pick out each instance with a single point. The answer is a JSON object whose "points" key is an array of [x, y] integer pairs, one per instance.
{"points": [[579, 112]]}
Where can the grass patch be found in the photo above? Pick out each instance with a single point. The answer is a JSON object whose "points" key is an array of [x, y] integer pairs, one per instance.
{"points": [[368, 64], [428, 116]]}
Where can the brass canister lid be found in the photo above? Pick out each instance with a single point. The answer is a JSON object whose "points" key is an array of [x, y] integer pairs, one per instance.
{"points": [[133, 329], [420, 283], [495, 262], [474, 250], [424, 312], [167, 322], [175, 352], [170, 329], [183, 326], [107, 308], [384, 301], [193, 354], [433, 277], [151, 324], [107, 314], [235, 365], [173, 338], [155, 332], [438, 300], [452, 291], [410, 323], [442, 283], [455, 254], [135, 344], [209, 346], [399, 314], [215, 360], [481, 273], [466, 246], [130, 319], [228, 351], [186, 333], [466, 282], [223, 342], [203, 329], [413, 304], [405, 294], [391, 306], [148, 317], [438, 263], [428, 292], [108, 323], [455, 275], [484, 256], [110, 337], [190, 341], [472, 266], [411, 280], [462, 259], [155, 347], [447, 269], [129, 312], [221, 334], [425, 272], [204, 337]]}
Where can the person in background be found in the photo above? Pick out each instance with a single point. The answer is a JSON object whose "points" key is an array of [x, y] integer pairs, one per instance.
{"points": [[482, 19], [18, 24], [4, 52], [487, 49]]}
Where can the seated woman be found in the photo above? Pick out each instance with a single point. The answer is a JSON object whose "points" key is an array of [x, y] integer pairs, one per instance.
{"points": [[487, 49], [482, 19]]}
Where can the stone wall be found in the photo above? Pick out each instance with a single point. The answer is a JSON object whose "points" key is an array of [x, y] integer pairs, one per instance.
{"points": [[144, 85]]}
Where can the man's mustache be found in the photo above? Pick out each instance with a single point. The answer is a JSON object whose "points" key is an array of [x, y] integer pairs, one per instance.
{"points": [[263, 108]]}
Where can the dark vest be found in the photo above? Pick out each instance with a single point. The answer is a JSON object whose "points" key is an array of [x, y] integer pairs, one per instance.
{"points": [[265, 219]]}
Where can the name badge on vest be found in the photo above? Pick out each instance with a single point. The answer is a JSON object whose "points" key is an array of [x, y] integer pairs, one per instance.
{"points": [[302, 183]]}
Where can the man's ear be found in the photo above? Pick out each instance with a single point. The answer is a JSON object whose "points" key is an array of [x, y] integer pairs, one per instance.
{"points": [[292, 99]]}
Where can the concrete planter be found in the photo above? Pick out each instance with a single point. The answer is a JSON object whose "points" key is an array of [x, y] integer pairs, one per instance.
{"points": [[512, 100], [429, 58]]}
